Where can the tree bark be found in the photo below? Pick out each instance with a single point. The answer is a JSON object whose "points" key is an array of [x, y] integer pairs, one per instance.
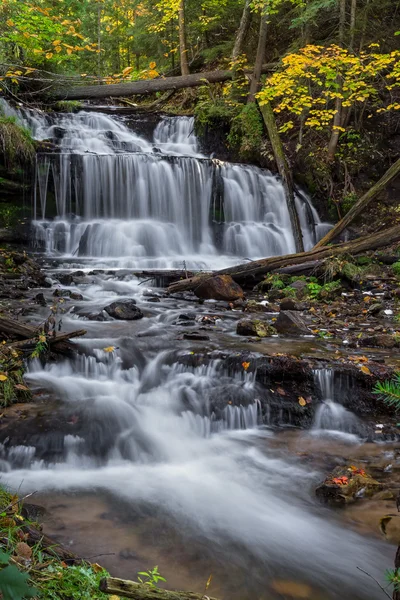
{"points": [[149, 86], [138, 591], [284, 172], [242, 31], [262, 42], [182, 39], [353, 10], [337, 119], [361, 204], [255, 270]]}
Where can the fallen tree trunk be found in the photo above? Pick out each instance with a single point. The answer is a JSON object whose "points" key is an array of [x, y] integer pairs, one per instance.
{"points": [[29, 333], [258, 268], [148, 86], [138, 591], [284, 172], [361, 204]]}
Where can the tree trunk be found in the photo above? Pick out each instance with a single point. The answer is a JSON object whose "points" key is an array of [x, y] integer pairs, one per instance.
{"points": [[284, 172], [337, 119], [353, 11], [131, 589], [242, 31], [262, 42], [255, 270], [99, 39], [361, 204], [182, 39], [148, 86]]}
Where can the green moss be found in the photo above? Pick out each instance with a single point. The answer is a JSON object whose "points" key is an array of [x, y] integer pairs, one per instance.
{"points": [[246, 132], [68, 105]]}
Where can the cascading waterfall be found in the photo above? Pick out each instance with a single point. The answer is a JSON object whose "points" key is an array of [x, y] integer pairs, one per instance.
{"points": [[138, 203], [330, 414]]}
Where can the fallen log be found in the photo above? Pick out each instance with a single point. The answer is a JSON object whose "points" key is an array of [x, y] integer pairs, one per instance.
{"points": [[361, 204], [146, 86], [57, 339], [28, 333], [257, 269], [138, 591]]}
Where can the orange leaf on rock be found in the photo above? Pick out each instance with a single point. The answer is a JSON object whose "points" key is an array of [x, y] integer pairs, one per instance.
{"points": [[365, 370], [245, 365], [302, 402]]}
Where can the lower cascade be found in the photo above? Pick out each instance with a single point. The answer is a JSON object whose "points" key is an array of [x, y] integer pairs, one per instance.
{"points": [[108, 193], [330, 414]]}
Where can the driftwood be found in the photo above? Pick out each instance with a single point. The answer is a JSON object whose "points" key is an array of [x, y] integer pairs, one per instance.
{"points": [[138, 591], [255, 270], [361, 204], [146, 86], [49, 546], [28, 333]]}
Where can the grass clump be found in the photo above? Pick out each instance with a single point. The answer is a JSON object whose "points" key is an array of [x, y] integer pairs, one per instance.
{"points": [[68, 105], [16, 142]]}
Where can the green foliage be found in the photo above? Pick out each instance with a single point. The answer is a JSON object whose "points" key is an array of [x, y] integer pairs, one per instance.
{"points": [[68, 106], [12, 385], [212, 107], [16, 142], [246, 131], [389, 391], [313, 290], [78, 582], [9, 214], [393, 578], [289, 292], [150, 578], [14, 584], [396, 268]]}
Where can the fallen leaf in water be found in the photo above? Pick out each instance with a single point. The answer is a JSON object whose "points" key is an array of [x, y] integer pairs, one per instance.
{"points": [[365, 370], [208, 582], [281, 391], [293, 589], [384, 521], [302, 402], [109, 349], [97, 568], [245, 365]]}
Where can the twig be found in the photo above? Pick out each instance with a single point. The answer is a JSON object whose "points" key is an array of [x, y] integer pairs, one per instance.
{"points": [[376, 581], [18, 501]]}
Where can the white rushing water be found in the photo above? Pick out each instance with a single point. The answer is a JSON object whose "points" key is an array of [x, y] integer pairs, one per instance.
{"points": [[331, 417], [165, 434], [154, 203]]}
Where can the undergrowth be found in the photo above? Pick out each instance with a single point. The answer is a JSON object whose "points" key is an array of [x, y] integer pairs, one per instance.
{"points": [[16, 142]]}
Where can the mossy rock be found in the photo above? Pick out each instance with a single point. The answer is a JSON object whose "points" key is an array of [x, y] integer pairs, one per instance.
{"points": [[346, 484], [255, 327]]}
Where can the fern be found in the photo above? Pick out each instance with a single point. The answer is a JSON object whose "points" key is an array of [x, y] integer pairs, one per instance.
{"points": [[389, 391]]}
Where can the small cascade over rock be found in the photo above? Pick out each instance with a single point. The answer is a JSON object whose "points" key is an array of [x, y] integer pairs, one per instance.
{"points": [[331, 416], [108, 193]]}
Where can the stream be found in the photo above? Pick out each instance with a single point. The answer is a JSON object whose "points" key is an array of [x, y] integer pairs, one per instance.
{"points": [[151, 459]]}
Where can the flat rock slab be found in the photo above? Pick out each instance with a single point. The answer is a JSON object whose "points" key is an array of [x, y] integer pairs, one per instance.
{"points": [[125, 310]]}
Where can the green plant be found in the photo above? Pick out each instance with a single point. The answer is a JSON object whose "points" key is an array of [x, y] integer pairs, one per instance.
{"points": [[393, 578], [77, 582], [9, 214], [13, 584], [246, 131], [289, 292], [41, 345], [396, 268], [150, 578], [16, 142], [389, 391], [68, 105], [314, 290]]}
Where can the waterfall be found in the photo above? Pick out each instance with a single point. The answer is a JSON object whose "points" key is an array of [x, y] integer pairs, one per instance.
{"points": [[331, 416], [108, 193]]}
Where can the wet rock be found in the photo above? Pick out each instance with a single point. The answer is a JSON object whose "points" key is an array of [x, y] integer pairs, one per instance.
{"points": [[241, 303], [289, 322], [384, 495], [254, 306], [383, 340], [290, 304], [300, 286], [376, 308], [255, 327], [345, 484], [76, 296], [65, 278], [193, 335], [396, 292], [78, 274], [220, 287], [125, 310], [128, 554], [40, 299], [153, 299], [187, 317], [275, 295]]}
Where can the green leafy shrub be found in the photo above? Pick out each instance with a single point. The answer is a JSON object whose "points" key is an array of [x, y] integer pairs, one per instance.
{"points": [[16, 142], [68, 105], [396, 268], [246, 131]]}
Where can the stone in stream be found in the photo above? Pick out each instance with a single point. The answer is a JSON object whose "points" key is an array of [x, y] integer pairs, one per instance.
{"points": [[40, 299], [289, 322], [65, 278], [193, 335], [383, 340], [345, 485], [125, 310], [290, 304], [220, 287], [255, 327]]}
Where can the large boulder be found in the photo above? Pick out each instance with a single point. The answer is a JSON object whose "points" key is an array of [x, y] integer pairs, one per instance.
{"points": [[290, 323], [220, 287], [255, 327], [290, 304], [125, 310]]}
